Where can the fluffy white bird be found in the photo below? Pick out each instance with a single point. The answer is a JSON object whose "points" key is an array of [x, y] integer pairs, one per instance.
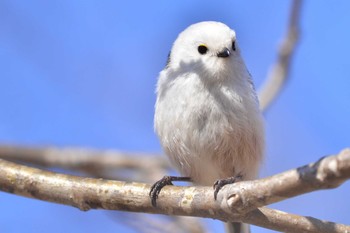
{"points": [[207, 114]]}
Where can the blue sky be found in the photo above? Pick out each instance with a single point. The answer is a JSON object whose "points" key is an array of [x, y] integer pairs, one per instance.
{"points": [[82, 73]]}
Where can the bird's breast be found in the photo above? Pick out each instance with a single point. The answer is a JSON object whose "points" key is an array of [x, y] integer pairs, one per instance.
{"points": [[205, 128]]}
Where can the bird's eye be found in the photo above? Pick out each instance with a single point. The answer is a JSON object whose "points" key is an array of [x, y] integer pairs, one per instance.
{"points": [[233, 45], [202, 49]]}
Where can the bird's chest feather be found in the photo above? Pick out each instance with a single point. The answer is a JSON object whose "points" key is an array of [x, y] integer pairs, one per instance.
{"points": [[207, 116], [208, 128], [204, 105]]}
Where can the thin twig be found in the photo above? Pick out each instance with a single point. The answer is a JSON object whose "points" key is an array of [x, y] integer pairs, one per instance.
{"points": [[110, 164], [167, 224], [291, 223], [78, 158], [279, 71]]}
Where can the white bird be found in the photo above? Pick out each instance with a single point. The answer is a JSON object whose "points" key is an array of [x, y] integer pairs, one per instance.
{"points": [[207, 115]]}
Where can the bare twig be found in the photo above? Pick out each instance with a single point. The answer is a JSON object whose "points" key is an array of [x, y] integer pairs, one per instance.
{"points": [[107, 164], [233, 204], [291, 223], [166, 224], [279, 71], [77, 158]]}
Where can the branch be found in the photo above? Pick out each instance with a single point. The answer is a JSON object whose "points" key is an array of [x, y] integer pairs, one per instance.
{"points": [[74, 158], [98, 163], [291, 223], [328, 172], [234, 201], [152, 223], [109, 164], [279, 71]]}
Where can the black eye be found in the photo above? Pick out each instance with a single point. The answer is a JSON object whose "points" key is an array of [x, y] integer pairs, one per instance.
{"points": [[202, 49], [234, 45]]}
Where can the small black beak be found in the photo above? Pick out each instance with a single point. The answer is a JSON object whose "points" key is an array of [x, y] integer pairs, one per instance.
{"points": [[224, 53]]}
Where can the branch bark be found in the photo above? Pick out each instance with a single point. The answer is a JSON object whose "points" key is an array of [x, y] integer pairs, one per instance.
{"points": [[235, 202]]}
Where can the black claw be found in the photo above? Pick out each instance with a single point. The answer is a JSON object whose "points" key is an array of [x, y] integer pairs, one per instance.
{"points": [[222, 182], [157, 186]]}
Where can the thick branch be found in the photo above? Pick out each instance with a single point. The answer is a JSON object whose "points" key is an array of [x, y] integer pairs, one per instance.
{"points": [[279, 71], [233, 201], [328, 172]]}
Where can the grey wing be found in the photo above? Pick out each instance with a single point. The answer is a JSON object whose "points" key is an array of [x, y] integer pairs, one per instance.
{"points": [[168, 60], [252, 86]]}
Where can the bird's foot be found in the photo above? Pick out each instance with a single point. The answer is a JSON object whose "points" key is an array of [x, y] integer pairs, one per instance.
{"points": [[157, 186], [222, 182]]}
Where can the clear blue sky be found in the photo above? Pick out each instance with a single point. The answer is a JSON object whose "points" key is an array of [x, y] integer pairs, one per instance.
{"points": [[82, 73]]}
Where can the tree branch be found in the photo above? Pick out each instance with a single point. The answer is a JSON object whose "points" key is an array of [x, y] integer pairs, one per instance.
{"points": [[279, 71], [107, 164], [235, 202], [74, 158], [328, 172], [291, 223]]}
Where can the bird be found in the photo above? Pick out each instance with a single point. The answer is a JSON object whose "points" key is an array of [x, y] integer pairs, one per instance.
{"points": [[207, 114]]}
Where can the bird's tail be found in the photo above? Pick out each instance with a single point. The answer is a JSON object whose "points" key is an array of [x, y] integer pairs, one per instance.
{"points": [[237, 227]]}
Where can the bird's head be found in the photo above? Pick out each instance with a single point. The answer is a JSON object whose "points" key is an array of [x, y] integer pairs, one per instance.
{"points": [[207, 47]]}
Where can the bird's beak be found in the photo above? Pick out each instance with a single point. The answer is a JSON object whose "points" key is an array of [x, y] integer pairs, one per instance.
{"points": [[224, 53]]}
